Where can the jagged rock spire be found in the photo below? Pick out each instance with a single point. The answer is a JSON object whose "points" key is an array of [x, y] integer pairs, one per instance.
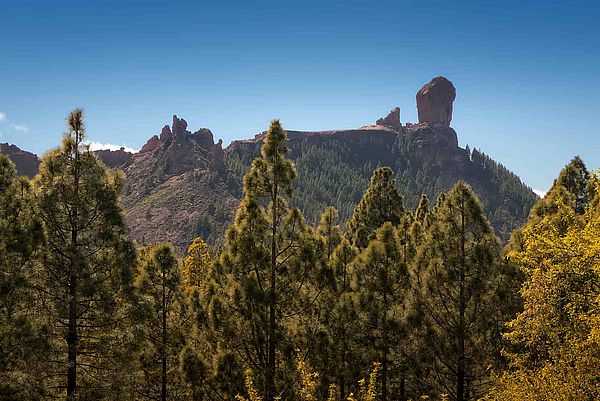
{"points": [[392, 120]]}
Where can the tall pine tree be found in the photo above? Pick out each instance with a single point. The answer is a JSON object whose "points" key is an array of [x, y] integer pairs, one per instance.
{"points": [[380, 283], [457, 279], [270, 254], [166, 324], [86, 273]]}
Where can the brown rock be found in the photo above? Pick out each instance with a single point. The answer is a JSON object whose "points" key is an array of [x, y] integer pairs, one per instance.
{"points": [[434, 102], [205, 137], [179, 127], [26, 163], [165, 134], [114, 158], [392, 120], [218, 156], [154, 142]]}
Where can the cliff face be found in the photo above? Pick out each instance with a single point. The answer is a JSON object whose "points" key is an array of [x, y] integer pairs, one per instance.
{"points": [[182, 184], [114, 158], [27, 163]]}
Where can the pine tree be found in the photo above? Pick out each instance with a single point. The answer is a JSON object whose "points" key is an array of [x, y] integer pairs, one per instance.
{"points": [[380, 283], [86, 274], [329, 229], [575, 182], [457, 280], [21, 329], [381, 203], [166, 324], [269, 255], [334, 312]]}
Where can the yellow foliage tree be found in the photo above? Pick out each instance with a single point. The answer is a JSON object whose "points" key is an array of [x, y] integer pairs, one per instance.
{"points": [[557, 335], [197, 264]]}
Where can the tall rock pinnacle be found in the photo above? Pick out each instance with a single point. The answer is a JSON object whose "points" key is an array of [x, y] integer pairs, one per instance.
{"points": [[434, 102], [391, 120]]}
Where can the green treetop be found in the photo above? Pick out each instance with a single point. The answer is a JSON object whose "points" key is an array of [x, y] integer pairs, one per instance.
{"points": [[380, 203]]}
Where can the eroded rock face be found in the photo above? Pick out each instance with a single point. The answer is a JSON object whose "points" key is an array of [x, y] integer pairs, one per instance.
{"points": [[153, 143], [179, 127], [433, 138], [392, 120], [114, 158], [434, 102]]}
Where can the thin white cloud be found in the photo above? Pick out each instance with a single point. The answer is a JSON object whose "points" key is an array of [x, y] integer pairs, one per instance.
{"points": [[2, 117], [109, 146], [21, 128], [539, 192]]}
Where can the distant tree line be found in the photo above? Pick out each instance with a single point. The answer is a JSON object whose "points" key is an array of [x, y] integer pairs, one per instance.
{"points": [[398, 303]]}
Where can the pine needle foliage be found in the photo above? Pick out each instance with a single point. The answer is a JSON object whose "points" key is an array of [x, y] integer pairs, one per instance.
{"points": [[381, 203], [21, 328], [86, 272]]}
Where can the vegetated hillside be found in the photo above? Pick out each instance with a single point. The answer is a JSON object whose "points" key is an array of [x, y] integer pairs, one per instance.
{"points": [[182, 184], [178, 187], [334, 166], [334, 169]]}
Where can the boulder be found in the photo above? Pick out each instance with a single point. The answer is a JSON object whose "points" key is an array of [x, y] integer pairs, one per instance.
{"points": [[434, 102]]}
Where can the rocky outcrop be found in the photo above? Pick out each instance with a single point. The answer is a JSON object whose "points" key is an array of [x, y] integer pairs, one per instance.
{"points": [[175, 151], [153, 143], [392, 120], [437, 144], [114, 158], [434, 102], [218, 157], [179, 127], [165, 133], [27, 163]]}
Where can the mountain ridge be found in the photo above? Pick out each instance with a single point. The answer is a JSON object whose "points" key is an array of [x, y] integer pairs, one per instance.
{"points": [[182, 183]]}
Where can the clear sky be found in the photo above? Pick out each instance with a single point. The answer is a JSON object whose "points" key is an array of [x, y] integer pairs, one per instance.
{"points": [[526, 72]]}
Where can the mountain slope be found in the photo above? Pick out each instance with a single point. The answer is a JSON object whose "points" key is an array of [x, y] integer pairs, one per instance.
{"points": [[183, 184], [334, 169]]}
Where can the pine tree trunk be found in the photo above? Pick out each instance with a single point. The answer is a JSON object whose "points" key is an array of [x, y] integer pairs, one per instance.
{"points": [[164, 340], [272, 346], [460, 372], [384, 365], [72, 339], [402, 388], [342, 374]]}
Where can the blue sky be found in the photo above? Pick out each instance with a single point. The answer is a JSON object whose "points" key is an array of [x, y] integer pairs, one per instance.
{"points": [[526, 72]]}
